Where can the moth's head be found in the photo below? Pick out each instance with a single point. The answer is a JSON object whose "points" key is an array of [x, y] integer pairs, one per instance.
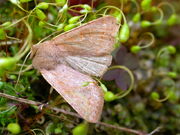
{"points": [[34, 49]]}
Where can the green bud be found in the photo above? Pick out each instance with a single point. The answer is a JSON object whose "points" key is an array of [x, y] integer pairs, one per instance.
{"points": [[154, 9], [63, 9], [25, 1], [16, 2], [14, 128], [2, 34], [135, 49], [60, 27], [136, 18], [172, 20], [6, 24], [14, 77], [74, 19], [171, 49], [60, 2], [81, 129], [7, 63], [104, 88], [154, 95], [158, 22], [146, 4], [69, 27], [58, 130], [109, 96], [40, 14], [117, 15], [42, 5], [84, 11], [172, 74], [86, 7], [145, 24], [41, 23], [124, 33]]}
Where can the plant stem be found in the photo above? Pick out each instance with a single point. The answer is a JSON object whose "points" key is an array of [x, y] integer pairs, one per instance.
{"points": [[40, 105]]}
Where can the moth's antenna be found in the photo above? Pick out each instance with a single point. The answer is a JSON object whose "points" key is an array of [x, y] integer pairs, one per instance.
{"points": [[20, 71], [47, 37]]}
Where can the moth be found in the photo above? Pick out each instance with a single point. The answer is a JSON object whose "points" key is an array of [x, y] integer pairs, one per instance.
{"points": [[70, 59]]}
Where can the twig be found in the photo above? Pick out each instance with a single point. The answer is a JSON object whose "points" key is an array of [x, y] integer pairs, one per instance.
{"points": [[20, 99], [123, 128], [36, 103], [31, 102], [155, 130]]}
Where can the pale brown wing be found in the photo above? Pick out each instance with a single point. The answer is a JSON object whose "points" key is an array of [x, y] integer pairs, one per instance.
{"points": [[95, 66], [86, 100], [90, 41], [95, 38]]}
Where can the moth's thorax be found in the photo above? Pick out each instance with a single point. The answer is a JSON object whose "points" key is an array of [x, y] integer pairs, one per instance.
{"points": [[47, 55]]}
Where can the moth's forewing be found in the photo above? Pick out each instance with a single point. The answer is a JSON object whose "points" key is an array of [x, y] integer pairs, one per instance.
{"points": [[86, 100], [95, 38]]}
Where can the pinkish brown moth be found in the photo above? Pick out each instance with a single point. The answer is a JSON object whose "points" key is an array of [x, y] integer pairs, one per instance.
{"points": [[68, 60]]}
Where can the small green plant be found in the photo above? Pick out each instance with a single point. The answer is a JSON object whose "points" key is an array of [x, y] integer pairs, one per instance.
{"points": [[14, 128]]}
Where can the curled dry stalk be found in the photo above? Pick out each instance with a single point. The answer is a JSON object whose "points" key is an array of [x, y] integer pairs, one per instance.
{"points": [[27, 44], [121, 95], [26, 47]]}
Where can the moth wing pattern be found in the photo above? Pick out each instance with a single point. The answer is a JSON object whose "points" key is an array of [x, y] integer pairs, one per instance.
{"points": [[86, 100], [95, 38], [94, 66], [67, 60], [89, 44]]}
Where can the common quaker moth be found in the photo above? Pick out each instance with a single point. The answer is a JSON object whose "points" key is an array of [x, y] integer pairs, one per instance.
{"points": [[71, 58]]}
